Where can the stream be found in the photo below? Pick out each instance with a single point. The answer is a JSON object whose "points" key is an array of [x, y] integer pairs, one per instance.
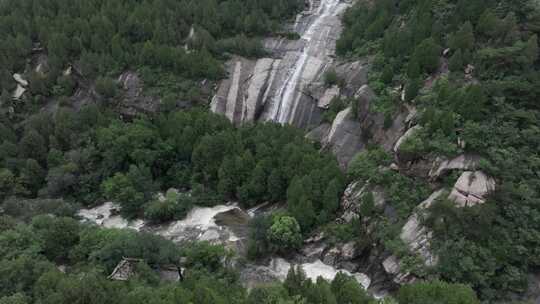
{"points": [[225, 225]]}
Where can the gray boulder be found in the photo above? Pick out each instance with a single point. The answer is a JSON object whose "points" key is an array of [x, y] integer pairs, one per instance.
{"points": [[472, 189]]}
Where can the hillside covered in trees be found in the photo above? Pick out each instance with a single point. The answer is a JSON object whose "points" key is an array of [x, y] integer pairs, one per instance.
{"points": [[471, 69]]}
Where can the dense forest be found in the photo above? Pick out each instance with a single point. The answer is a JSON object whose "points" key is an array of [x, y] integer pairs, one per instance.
{"points": [[182, 40], [471, 68], [58, 260]]}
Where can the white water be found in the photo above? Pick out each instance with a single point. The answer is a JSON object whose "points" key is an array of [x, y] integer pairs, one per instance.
{"points": [[201, 219], [316, 269], [313, 36], [102, 216], [200, 225]]}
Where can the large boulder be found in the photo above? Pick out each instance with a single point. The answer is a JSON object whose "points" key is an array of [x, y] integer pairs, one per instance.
{"points": [[392, 267], [327, 97], [472, 188], [353, 74], [462, 162], [416, 236], [345, 137], [402, 155], [319, 133]]}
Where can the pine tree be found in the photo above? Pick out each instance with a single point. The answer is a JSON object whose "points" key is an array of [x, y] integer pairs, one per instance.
{"points": [[463, 39], [489, 25], [531, 50], [456, 62], [276, 186], [331, 197]]}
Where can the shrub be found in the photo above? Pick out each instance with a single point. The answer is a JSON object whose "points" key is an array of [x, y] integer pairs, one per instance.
{"points": [[284, 234]]}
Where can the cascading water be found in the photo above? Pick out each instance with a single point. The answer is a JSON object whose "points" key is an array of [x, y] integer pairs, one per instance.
{"points": [[313, 36]]}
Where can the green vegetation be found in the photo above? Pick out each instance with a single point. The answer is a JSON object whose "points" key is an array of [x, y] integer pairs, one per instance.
{"points": [[58, 260], [86, 157], [436, 292], [487, 100]]}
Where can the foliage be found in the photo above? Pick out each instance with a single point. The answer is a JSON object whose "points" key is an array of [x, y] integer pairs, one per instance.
{"points": [[490, 111], [284, 234], [436, 292]]}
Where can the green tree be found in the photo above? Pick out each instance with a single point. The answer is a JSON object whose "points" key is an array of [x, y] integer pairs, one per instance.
{"points": [[456, 63], [436, 292], [412, 89], [463, 39], [58, 235], [489, 24], [347, 290], [284, 234], [427, 54], [33, 145], [106, 87], [17, 298], [121, 189], [331, 197], [7, 182]]}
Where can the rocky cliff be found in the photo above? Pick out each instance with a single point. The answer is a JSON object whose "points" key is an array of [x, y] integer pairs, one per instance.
{"points": [[286, 86]]}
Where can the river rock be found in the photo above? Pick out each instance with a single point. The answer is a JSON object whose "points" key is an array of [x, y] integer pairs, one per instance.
{"points": [[349, 251], [365, 97], [19, 92], [352, 199], [332, 256], [472, 188]]}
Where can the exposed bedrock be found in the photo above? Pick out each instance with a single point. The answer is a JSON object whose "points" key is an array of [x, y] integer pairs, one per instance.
{"points": [[279, 88], [350, 132]]}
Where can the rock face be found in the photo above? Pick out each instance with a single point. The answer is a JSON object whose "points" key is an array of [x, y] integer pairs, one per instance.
{"points": [[392, 267], [402, 155], [276, 88], [472, 188], [22, 85], [328, 96], [352, 199], [134, 100], [344, 137], [416, 236], [462, 162]]}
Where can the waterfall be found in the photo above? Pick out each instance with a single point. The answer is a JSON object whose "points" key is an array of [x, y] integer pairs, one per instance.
{"points": [[314, 35]]}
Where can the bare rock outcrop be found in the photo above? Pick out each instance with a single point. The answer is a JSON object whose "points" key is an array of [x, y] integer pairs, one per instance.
{"points": [[416, 236], [286, 86], [344, 137], [392, 267], [472, 189], [463, 162], [134, 100]]}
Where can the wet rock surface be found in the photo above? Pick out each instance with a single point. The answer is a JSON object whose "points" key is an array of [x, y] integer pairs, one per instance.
{"points": [[276, 88]]}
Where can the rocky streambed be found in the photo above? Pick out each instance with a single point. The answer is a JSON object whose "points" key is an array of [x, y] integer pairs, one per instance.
{"points": [[225, 225]]}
